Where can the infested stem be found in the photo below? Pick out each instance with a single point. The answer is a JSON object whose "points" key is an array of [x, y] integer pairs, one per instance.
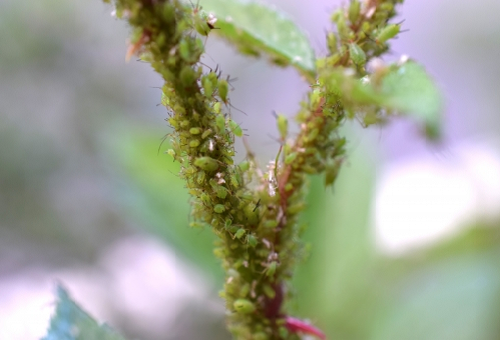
{"points": [[254, 214]]}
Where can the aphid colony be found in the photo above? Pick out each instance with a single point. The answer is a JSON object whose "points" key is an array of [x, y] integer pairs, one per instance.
{"points": [[203, 143], [257, 227], [359, 29]]}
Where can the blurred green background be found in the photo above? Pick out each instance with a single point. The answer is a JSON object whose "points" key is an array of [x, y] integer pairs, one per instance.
{"points": [[88, 197]]}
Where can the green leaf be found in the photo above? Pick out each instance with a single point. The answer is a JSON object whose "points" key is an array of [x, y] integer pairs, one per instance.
{"points": [[258, 29], [71, 323], [335, 283], [446, 291], [451, 299], [404, 89], [410, 90]]}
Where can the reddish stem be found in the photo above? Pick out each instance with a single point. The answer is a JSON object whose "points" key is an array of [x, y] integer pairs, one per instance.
{"points": [[295, 325]]}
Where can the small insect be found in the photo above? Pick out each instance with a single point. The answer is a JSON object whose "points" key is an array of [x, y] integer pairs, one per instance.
{"points": [[357, 54], [203, 23], [244, 306], [389, 32]]}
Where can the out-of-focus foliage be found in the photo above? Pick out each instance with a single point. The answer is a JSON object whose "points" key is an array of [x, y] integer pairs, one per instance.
{"points": [[70, 322], [153, 194], [404, 88]]}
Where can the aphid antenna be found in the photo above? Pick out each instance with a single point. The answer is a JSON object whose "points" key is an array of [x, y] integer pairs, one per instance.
{"points": [[278, 140], [318, 45], [206, 53], [163, 139], [203, 64], [196, 8], [229, 103], [176, 175], [218, 72], [229, 80]]}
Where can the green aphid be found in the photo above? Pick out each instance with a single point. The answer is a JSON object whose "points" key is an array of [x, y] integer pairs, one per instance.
{"points": [[206, 133], [240, 233], [269, 291], [203, 23], [331, 172], [208, 87], [357, 54], [217, 107], [244, 166], [219, 208], [207, 163], [205, 198], [344, 31], [282, 126], [195, 131], [235, 180], [220, 191], [200, 22], [220, 123], [223, 90], [168, 12], [388, 32], [270, 224], [354, 11], [172, 153], [331, 40], [252, 240], [271, 269], [244, 306], [220, 252], [188, 76], [296, 208], [244, 290], [197, 225], [311, 136], [235, 128], [290, 158], [194, 143], [184, 50], [200, 177], [165, 101]]}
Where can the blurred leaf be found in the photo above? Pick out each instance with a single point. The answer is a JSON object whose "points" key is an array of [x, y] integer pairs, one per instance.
{"points": [[153, 193], [335, 285], [71, 323], [451, 299], [446, 291], [404, 89], [255, 28], [410, 90]]}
